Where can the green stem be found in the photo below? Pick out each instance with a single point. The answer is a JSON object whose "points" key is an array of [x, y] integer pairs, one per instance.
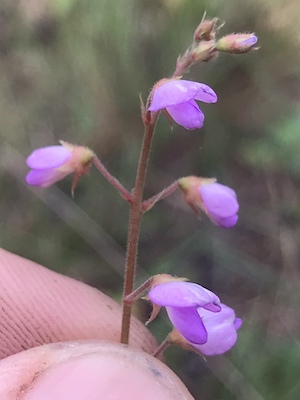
{"points": [[136, 212]]}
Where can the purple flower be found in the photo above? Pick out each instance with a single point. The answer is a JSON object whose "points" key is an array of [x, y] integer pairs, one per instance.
{"points": [[51, 164], [197, 313], [218, 201], [220, 204], [178, 98]]}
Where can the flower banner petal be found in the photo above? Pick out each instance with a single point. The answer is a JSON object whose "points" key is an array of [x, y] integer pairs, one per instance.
{"points": [[181, 294]]}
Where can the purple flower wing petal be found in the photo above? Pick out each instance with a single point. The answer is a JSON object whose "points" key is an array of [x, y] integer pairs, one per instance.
{"points": [[48, 157], [221, 331], [182, 294], [187, 115], [189, 323], [219, 200], [180, 91], [44, 178]]}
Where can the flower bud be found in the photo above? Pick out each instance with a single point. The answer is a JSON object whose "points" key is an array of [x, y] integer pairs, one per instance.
{"points": [[237, 43], [204, 51], [206, 30], [217, 201], [51, 164]]}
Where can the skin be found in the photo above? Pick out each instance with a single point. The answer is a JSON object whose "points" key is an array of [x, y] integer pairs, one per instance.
{"points": [[38, 309]]}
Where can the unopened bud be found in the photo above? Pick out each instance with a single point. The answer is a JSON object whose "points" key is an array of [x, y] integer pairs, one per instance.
{"points": [[52, 163], [190, 188], [237, 43], [205, 51], [206, 30], [217, 201]]}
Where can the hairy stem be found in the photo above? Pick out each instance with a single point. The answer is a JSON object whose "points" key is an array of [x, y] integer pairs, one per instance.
{"points": [[136, 212], [137, 293], [112, 180], [162, 347], [183, 63], [149, 203]]}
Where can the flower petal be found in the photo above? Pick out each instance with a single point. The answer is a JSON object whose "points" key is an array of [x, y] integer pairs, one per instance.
{"points": [[180, 91], [221, 330], [189, 323], [238, 323], [212, 307], [182, 294], [219, 200], [48, 157], [187, 115], [228, 222], [45, 178], [205, 94]]}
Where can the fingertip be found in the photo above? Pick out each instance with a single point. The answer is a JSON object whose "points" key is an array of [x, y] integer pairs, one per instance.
{"points": [[40, 306], [90, 370]]}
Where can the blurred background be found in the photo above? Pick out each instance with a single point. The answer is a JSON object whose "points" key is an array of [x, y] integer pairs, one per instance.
{"points": [[73, 70]]}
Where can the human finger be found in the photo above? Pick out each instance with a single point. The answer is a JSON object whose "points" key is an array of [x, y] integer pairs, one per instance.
{"points": [[88, 370], [39, 306]]}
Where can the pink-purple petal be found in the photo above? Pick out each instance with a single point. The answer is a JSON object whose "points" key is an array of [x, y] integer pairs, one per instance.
{"points": [[227, 222], [181, 294], [205, 94], [188, 322], [212, 307], [48, 157], [187, 115], [238, 323], [251, 41], [219, 200], [221, 331], [44, 178], [181, 91]]}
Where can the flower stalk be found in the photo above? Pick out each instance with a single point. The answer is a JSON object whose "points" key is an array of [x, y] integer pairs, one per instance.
{"points": [[162, 347], [112, 180], [149, 203], [136, 212]]}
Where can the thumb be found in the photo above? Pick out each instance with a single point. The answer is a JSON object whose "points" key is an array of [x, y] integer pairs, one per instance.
{"points": [[88, 370], [39, 306]]}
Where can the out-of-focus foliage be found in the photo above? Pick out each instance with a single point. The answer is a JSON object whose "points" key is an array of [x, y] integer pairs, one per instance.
{"points": [[73, 70]]}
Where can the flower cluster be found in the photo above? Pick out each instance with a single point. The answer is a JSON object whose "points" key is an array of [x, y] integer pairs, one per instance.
{"points": [[200, 320], [207, 325]]}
